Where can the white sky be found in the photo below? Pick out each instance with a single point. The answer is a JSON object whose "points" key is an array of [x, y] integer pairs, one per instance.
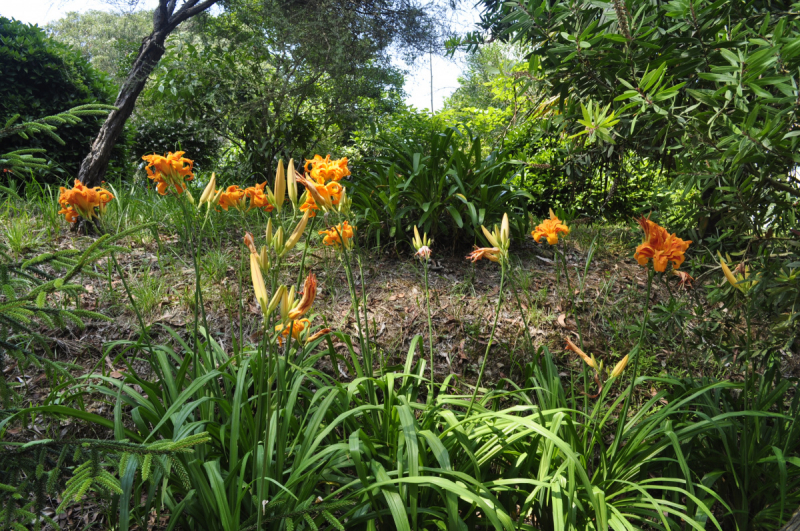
{"points": [[418, 80]]}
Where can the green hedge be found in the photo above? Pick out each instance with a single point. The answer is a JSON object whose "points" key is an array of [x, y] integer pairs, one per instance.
{"points": [[42, 77]]}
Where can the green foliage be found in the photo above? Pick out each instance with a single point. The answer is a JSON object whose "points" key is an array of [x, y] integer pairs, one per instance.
{"points": [[31, 471], [28, 287], [108, 40], [752, 460], [41, 78], [26, 159], [283, 95], [530, 452], [706, 89], [440, 182]]}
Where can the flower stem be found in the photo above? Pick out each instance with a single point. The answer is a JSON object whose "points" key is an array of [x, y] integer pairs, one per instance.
{"points": [[491, 338], [430, 327], [305, 250], [577, 325], [636, 354], [514, 289]]}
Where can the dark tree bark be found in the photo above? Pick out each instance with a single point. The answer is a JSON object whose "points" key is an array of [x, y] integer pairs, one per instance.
{"points": [[165, 20]]}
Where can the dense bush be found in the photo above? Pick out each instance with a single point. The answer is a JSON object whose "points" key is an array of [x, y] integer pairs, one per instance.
{"points": [[440, 182], [43, 77], [159, 134]]}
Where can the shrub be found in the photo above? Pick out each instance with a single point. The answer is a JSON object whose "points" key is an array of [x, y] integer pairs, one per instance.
{"points": [[159, 134], [443, 184], [42, 77]]}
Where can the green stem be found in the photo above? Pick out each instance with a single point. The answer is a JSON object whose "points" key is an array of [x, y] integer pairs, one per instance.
{"points": [[636, 353], [305, 250], [745, 439], [514, 289], [430, 327], [571, 295], [491, 338]]}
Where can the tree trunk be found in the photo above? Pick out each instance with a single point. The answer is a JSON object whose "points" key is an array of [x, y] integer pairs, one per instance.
{"points": [[94, 166], [794, 523]]}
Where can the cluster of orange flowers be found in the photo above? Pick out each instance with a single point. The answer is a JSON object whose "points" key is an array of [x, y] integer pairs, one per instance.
{"points": [[336, 235], [82, 201], [323, 186], [170, 171], [234, 197], [323, 170], [661, 246]]}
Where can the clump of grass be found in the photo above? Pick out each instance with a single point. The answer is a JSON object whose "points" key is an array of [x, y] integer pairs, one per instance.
{"points": [[20, 234], [215, 264], [148, 291]]}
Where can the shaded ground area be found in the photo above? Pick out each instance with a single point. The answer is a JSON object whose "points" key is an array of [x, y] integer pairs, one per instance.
{"points": [[463, 301]]}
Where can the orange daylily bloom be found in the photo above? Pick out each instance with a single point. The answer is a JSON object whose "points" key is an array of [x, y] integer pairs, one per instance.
{"points": [[661, 246], [324, 170], [335, 235], [233, 196], [309, 293], [334, 191], [309, 205], [258, 199], [82, 201], [577, 350], [170, 171], [490, 253], [297, 328], [549, 229]]}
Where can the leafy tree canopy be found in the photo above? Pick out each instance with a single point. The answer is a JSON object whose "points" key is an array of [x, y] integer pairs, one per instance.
{"points": [[280, 79], [707, 89], [108, 40]]}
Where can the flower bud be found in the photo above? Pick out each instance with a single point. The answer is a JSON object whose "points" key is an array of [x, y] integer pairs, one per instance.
{"points": [[619, 367], [291, 183], [280, 186]]}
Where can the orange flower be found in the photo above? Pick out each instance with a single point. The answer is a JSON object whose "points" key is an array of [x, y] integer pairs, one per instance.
{"points": [[309, 293], [170, 171], [490, 253], [661, 246], [233, 196], [258, 199], [297, 328], [323, 170], [335, 235], [309, 205], [549, 229], [334, 191], [82, 201]]}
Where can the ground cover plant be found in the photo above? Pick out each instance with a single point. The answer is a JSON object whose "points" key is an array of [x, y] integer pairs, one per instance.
{"points": [[261, 398]]}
